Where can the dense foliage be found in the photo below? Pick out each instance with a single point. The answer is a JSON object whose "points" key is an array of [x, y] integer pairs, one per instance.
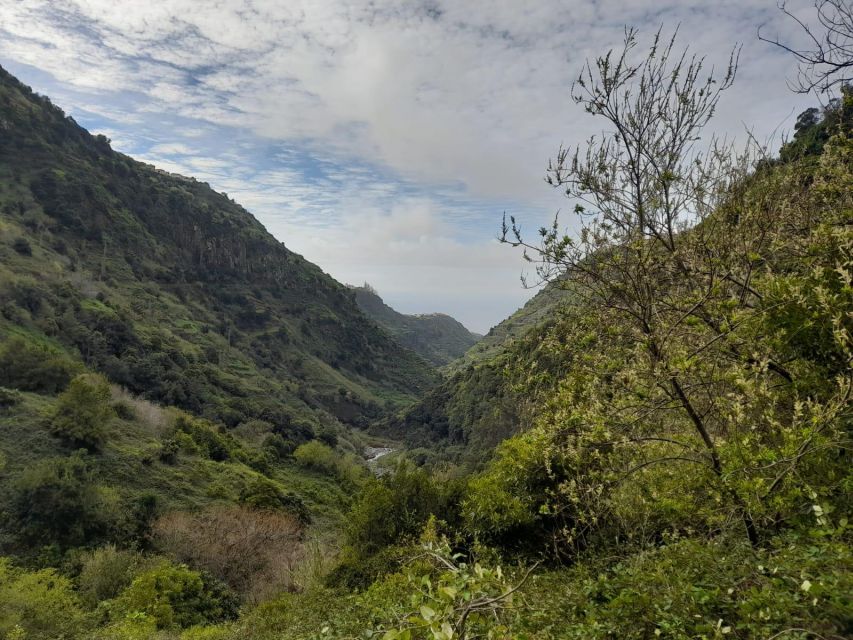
{"points": [[83, 411], [665, 451]]}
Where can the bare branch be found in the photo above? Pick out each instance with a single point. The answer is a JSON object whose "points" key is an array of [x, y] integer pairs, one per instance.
{"points": [[825, 63]]}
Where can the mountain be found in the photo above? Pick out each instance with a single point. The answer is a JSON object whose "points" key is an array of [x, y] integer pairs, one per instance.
{"points": [[479, 404], [174, 291], [535, 311], [436, 336], [164, 358]]}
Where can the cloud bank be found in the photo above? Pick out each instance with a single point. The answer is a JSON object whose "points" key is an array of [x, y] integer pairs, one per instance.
{"points": [[381, 139]]}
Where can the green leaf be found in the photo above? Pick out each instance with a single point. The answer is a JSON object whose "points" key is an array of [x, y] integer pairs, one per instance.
{"points": [[450, 592]]}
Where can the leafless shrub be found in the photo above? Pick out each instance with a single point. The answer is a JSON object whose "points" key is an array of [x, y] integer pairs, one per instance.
{"points": [[253, 551]]}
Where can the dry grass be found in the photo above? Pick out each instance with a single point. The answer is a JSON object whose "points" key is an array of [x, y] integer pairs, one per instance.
{"points": [[154, 417]]}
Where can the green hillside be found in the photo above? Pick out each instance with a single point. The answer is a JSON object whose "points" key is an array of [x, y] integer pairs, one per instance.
{"points": [[658, 445], [479, 404], [174, 291], [163, 359], [538, 310], [468, 414], [436, 336]]}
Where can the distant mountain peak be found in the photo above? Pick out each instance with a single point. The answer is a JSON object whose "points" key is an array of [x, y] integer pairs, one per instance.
{"points": [[438, 337]]}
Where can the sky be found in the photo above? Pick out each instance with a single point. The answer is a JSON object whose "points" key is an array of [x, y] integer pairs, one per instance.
{"points": [[383, 140]]}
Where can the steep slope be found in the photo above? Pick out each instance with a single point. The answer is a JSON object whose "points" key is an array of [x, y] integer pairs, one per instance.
{"points": [[535, 311], [436, 336], [479, 404], [174, 291]]}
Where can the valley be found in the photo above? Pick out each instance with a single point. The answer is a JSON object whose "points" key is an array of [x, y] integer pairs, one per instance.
{"points": [[205, 436]]}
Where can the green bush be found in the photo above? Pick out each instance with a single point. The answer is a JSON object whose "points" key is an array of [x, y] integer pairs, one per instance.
{"points": [[358, 572], [316, 455], [39, 605], [175, 596], [59, 502], [699, 588], [376, 519], [388, 512], [450, 597], [9, 398], [328, 436], [210, 442], [280, 447], [106, 572], [124, 410], [505, 502], [320, 457], [83, 412], [263, 493], [138, 514], [29, 366], [137, 627], [22, 246], [207, 633]]}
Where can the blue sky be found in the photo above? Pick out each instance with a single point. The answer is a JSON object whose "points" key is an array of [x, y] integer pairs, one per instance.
{"points": [[382, 140]]}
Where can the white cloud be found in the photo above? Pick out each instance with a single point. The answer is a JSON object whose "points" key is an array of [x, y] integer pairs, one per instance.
{"points": [[411, 255], [461, 102], [473, 92], [173, 148]]}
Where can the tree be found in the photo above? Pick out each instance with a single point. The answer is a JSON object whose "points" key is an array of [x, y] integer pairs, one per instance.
{"points": [[396, 506], [29, 366], [815, 127], [59, 502], [826, 60], [106, 572], [264, 494], [83, 411], [453, 598], [38, 605], [675, 241]]}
